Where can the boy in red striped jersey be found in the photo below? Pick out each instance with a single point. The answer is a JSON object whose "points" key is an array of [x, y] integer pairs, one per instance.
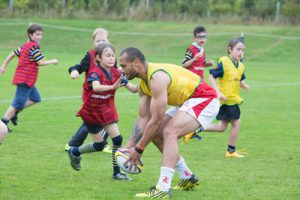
{"points": [[30, 58], [195, 61]]}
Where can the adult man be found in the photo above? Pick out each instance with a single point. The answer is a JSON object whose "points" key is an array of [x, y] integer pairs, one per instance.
{"points": [[162, 85]]}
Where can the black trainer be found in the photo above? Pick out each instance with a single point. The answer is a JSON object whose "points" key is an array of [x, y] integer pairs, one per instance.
{"points": [[74, 160]]}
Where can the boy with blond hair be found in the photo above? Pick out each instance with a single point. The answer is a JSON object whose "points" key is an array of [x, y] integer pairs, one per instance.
{"points": [[100, 35]]}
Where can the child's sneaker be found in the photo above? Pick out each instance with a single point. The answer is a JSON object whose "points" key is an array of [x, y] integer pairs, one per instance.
{"points": [[122, 176], [233, 155], [107, 149], [14, 120], [74, 160], [67, 147]]}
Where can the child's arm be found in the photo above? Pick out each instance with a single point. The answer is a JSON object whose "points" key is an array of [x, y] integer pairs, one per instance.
{"points": [[48, 62], [212, 80], [6, 61], [83, 66], [190, 62], [244, 85], [208, 63], [97, 87], [131, 87]]}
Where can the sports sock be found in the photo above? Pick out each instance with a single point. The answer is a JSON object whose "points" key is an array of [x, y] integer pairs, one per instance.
{"points": [[165, 178], [117, 143], [231, 148], [183, 170], [5, 121], [79, 137]]}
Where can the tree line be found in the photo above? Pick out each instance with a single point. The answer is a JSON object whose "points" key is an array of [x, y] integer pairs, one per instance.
{"points": [[275, 11]]}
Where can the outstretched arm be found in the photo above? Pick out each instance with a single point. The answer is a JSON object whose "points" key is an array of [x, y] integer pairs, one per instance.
{"points": [[48, 62], [6, 61], [131, 87]]}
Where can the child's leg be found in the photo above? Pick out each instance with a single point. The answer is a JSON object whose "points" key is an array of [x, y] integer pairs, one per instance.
{"points": [[220, 127], [97, 145], [233, 135], [3, 131], [24, 97], [114, 133], [11, 111], [79, 137]]}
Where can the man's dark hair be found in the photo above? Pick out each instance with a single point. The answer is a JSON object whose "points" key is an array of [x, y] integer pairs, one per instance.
{"points": [[133, 53], [33, 28], [198, 29]]}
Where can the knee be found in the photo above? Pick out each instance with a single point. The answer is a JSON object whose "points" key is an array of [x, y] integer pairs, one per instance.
{"points": [[117, 141], [169, 133]]}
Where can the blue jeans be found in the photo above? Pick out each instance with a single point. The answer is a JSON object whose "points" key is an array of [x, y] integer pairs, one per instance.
{"points": [[23, 93]]}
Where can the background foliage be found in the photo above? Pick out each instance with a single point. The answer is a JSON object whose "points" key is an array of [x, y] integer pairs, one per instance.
{"points": [[232, 11]]}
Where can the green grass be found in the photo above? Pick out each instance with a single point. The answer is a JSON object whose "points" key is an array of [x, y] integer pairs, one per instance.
{"points": [[33, 164]]}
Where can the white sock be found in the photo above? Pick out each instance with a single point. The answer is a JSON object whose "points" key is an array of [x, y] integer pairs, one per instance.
{"points": [[183, 170], [165, 178]]}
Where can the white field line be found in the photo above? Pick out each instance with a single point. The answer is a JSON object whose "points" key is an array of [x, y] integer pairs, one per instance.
{"points": [[60, 98], [156, 34]]}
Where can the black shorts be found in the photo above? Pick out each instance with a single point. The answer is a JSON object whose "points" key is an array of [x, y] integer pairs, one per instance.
{"points": [[92, 128], [228, 113]]}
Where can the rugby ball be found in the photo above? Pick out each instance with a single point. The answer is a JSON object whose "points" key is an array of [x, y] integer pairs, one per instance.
{"points": [[121, 158]]}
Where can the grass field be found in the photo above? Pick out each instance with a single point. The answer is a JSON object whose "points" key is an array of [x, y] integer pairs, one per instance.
{"points": [[33, 164]]}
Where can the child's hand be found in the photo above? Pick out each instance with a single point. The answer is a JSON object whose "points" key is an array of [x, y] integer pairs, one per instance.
{"points": [[74, 74], [209, 63], [198, 55], [221, 96], [244, 85], [2, 69], [55, 61], [118, 84]]}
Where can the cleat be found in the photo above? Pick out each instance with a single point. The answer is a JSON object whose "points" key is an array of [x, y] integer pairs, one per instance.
{"points": [[14, 120], [197, 137], [74, 160], [187, 137], [233, 155], [67, 147], [121, 177], [9, 130], [156, 193], [186, 184], [107, 149]]}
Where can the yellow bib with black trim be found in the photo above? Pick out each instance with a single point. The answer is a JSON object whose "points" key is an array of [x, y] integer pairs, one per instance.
{"points": [[229, 84], [182, 86]]}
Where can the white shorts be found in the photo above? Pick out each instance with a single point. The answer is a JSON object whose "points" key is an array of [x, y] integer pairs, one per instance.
{"points": [[204, 110]]}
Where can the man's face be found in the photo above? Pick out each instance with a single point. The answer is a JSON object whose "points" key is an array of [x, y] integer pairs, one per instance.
{"points": [[127, 67]]}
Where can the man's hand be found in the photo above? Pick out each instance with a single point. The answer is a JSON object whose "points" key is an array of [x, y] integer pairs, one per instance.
{"points": [[134, 158]]}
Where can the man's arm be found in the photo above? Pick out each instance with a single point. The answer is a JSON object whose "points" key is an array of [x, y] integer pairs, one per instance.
{"points": [[159, 86], [141, 121]]}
